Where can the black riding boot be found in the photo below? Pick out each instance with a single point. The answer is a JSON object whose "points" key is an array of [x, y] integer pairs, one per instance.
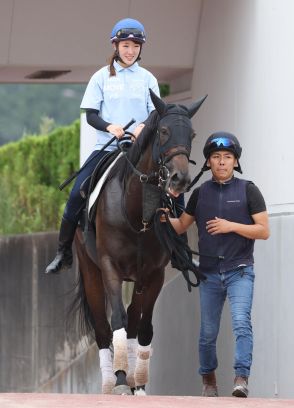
{"points": [[63, 258]]}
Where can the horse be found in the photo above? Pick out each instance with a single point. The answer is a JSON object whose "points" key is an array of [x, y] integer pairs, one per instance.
{"points": [[128, 249]]}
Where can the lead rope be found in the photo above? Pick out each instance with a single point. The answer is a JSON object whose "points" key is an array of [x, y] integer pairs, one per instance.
{"points": [[174, 243]]}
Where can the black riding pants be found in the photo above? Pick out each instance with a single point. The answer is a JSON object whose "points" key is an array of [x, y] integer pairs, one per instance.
{"points": [[76, 202]]}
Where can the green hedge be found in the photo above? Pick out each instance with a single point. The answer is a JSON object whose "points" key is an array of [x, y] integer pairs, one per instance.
{"points": [[30, 173]]}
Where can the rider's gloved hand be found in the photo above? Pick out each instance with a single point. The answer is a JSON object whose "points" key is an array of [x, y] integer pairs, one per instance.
{"points": [[116, 130]]}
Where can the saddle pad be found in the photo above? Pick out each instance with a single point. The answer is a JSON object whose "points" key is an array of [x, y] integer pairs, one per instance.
{"points": [[95, 193]]}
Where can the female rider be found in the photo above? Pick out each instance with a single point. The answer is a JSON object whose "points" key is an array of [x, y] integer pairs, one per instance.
{"points": [[115, 94]]}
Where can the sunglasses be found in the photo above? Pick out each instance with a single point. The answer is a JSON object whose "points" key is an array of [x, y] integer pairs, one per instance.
{"points": [[130, 33], [221, 142]]}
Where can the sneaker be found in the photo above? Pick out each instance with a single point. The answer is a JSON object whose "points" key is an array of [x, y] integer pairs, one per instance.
{"points": [[240, 387]]}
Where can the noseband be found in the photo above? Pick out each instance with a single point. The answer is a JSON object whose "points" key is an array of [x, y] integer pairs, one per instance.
{"points": [[163, 171]]}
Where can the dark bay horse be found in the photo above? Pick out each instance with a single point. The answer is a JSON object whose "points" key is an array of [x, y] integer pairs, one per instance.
{"points": [[128, 249]]}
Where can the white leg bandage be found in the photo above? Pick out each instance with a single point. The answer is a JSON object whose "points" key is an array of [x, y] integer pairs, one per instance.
{"points": [[120, 357], [108, 377], [142, 365], [132, 357]]}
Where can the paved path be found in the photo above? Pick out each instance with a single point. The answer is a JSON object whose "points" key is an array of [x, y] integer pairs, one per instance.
{"points": [[108, 401]]}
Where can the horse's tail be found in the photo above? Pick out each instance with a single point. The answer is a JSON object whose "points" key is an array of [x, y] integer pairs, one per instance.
{"points": [[79, 308]]}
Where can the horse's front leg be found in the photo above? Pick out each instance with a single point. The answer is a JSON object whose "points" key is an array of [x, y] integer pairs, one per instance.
{"points": [[145, 332], [134, 315], [119, 325], [94, 303]]}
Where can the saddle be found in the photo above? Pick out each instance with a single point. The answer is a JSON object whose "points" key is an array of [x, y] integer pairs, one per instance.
{"points": [[100, 169], [86, 223]]}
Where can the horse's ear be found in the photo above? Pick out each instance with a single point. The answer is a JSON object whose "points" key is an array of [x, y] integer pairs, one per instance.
{"points": [[195, 106], [158, 103]]}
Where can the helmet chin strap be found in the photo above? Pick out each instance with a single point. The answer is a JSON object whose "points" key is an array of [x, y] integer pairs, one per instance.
{"points": [[205, 168], [238, 168]]}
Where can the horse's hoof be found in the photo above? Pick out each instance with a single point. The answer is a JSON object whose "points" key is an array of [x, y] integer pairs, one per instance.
{"points": [[122, 390], [140, 392]]}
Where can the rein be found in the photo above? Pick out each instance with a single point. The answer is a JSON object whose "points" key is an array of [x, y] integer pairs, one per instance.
{"points": [[144, 178]]}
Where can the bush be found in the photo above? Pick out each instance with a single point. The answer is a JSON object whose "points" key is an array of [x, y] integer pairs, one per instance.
{"points": [[31, 171]]}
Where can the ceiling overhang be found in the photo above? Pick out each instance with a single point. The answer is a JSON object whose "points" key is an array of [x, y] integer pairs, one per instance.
{"points": [[39, 38]]}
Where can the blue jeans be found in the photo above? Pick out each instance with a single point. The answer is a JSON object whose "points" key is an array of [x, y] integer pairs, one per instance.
{"points": [[238, 286]]}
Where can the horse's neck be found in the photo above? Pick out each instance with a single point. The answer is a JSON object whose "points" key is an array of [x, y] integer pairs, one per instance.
{"points": [[146, 164], [134, 184]]}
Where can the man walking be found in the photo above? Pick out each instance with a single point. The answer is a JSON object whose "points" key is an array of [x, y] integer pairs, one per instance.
{"points": [[230, 214]]}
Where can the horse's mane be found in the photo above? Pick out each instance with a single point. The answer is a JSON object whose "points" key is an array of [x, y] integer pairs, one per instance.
{"points": [[136, 150]]}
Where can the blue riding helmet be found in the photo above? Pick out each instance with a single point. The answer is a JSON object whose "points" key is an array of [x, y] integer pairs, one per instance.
{"points": [[222, 141], [128, 29]]}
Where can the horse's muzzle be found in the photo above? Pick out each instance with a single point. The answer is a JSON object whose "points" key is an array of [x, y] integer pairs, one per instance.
{"points": [[178, 183]]}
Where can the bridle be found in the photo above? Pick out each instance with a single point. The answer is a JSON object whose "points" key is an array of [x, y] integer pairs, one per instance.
{"points": [[160, 157], [154, 183], [163, 172]]}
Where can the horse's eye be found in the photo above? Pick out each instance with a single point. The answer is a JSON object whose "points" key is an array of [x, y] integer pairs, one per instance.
{"points": [[164, 135]]}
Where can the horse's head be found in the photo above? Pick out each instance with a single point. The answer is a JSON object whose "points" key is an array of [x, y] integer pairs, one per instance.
{"points": [[172, 147]]}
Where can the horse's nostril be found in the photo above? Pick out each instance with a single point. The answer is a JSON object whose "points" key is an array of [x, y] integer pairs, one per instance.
{"points": [[180, 177], [180, 180]]}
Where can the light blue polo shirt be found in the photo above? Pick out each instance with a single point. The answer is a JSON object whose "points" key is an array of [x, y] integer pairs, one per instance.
{"points": [[120, 98]]}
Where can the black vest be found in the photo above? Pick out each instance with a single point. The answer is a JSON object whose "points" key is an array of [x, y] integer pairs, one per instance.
{"points": [[226, 201]]}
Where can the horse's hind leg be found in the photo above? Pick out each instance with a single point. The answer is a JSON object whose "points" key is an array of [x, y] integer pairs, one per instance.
{"points": [[95, 309]]}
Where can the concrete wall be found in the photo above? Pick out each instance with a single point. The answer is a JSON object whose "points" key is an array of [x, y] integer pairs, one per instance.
{"points": [[35, 343]]}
